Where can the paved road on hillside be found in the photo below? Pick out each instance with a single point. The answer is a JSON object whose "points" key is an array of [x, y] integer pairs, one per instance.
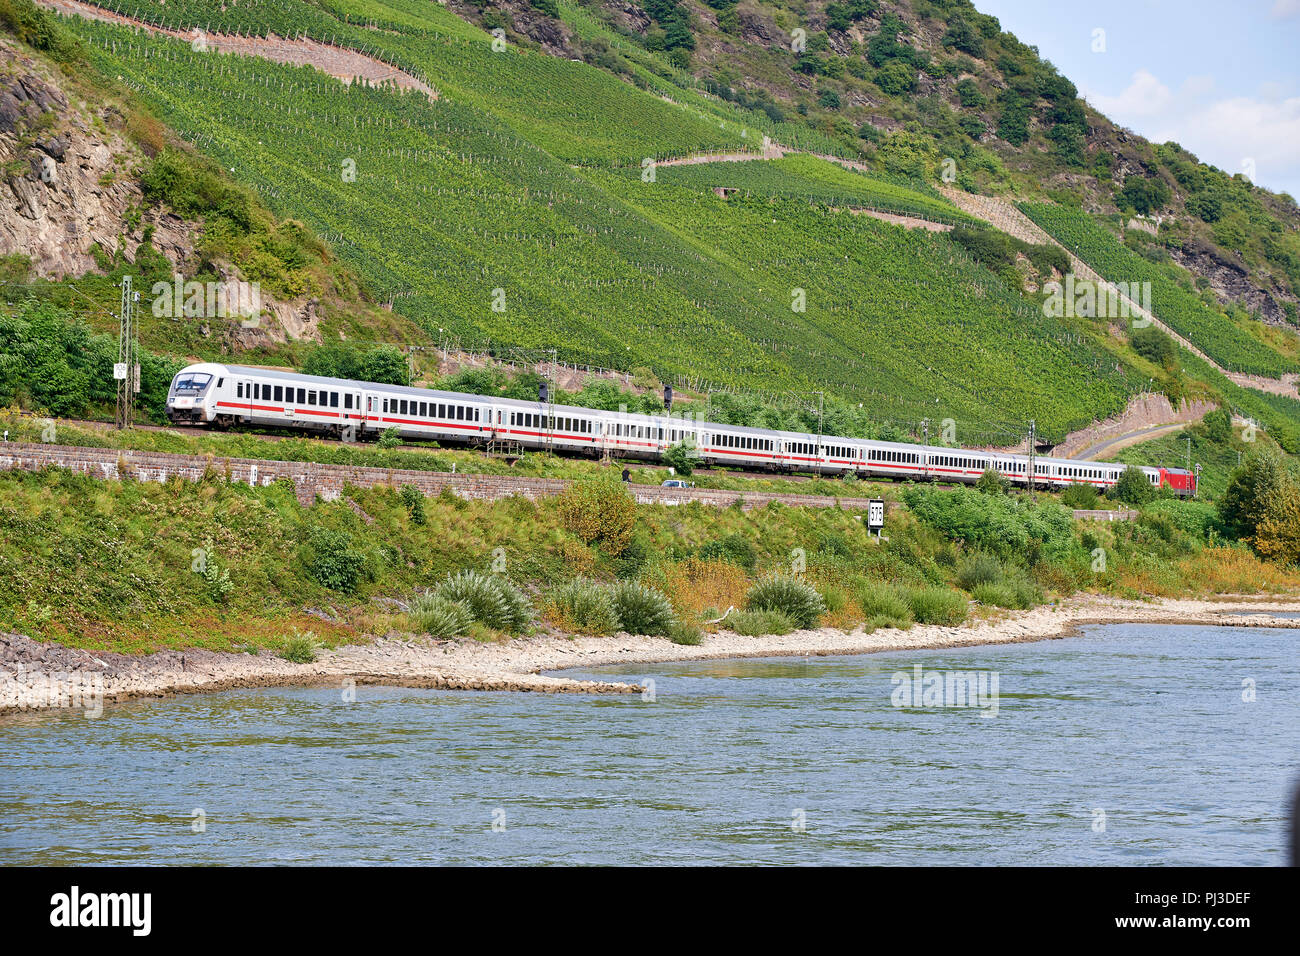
{"points": [[1094, 452]]}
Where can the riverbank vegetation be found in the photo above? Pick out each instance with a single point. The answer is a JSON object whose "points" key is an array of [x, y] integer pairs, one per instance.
{"points": [[135, 566]]}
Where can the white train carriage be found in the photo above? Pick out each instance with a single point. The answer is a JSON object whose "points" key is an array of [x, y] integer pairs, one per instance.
{"points": [[227, 395]]}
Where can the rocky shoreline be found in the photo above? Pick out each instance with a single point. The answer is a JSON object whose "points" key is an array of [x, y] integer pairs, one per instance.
{"points": [[36, 676]]}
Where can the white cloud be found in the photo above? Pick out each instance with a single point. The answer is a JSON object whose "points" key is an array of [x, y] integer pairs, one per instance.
{"points": [[1145, 96], [1224, 132], [1282, 9]]}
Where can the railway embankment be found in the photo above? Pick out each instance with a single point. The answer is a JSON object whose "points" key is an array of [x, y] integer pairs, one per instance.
{"points": [[326, 482]]}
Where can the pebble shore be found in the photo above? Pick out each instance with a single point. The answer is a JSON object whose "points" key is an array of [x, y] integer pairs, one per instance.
{"points": [[36, 676]]}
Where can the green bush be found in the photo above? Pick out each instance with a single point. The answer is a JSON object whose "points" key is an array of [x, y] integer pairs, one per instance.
{"points": [[735, 548], [332, 562], [1133, 487], [1196, 518], [641, 609], [414, 501], [758, 623], [436, 616], [978, 569], [1081, 497], [300, 648], [599, 510], [883, 602], [794, 598], [938, 606], [996, 594], [389, 438], [999, 524], [490, 599], [584, 607], [687, 634], [681, 457]]}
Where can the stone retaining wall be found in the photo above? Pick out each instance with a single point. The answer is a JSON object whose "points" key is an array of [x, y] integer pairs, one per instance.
{"points": [[326, 482]]}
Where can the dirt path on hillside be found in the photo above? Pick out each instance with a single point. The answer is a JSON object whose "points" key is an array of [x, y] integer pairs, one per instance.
{"points": [[1005, 216], [338, 62]]}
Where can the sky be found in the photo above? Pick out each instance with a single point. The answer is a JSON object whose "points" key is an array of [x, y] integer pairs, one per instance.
{"points": [[1220, 78]]}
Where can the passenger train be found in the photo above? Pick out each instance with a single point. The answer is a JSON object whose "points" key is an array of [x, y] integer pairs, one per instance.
{"points": [[232, 395]]}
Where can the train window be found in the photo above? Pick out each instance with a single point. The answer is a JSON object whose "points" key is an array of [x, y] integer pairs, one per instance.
{"points": [[239, 390], [402, 405], [347, 399], [424, 409], [334, 399], [279, 393], [220, 382], [311, 398]]}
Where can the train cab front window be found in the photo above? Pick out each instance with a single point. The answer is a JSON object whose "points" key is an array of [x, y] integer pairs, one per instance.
{"points": [[191, 383]]}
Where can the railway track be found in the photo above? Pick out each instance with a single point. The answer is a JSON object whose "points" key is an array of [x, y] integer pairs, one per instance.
{"points": [[746, 473]]}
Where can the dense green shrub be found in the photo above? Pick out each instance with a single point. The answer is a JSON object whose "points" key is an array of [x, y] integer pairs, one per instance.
{"points": [[687, 634], [978, 569], [1081, 497], [1200, 519], [332, 561], [938, 605], [300, 648], [437, 616], [681, 457], [599, 510], [413, 498], [794, 598], [735, 548], [884, 603], [1016, 593], [490, 599], [1133, 487], [999, 524], [758, 623], [585, 607], [641, 609]]}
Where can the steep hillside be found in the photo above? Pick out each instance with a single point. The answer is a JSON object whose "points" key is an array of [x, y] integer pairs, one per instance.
{"points": [[905, 84], [501, 195], [95, 188]]}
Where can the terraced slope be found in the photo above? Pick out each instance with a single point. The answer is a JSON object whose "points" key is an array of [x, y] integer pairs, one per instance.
{"points": [[475, 223], [1176, 304]]}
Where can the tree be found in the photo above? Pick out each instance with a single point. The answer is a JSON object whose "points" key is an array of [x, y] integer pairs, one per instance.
{"points": [[1133, 487], [1013, 124], [1144, 195], [1252, 484], [829, 100], [1277, 536], [991, 482], [963, 36], [681, 457], [1154, 345], [968, 92], [386, 365]]}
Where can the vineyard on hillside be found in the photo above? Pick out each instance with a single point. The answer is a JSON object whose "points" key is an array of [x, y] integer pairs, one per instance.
{"points": [[1179, 307], [563, 107], [815, 180], [475, 232]]}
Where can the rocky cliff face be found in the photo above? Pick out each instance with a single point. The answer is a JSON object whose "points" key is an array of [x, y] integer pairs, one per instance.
{"points": [[69, 183], [68, 180]]}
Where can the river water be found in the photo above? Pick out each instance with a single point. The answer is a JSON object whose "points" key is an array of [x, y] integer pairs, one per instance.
{"points": [[1129, 744]]}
